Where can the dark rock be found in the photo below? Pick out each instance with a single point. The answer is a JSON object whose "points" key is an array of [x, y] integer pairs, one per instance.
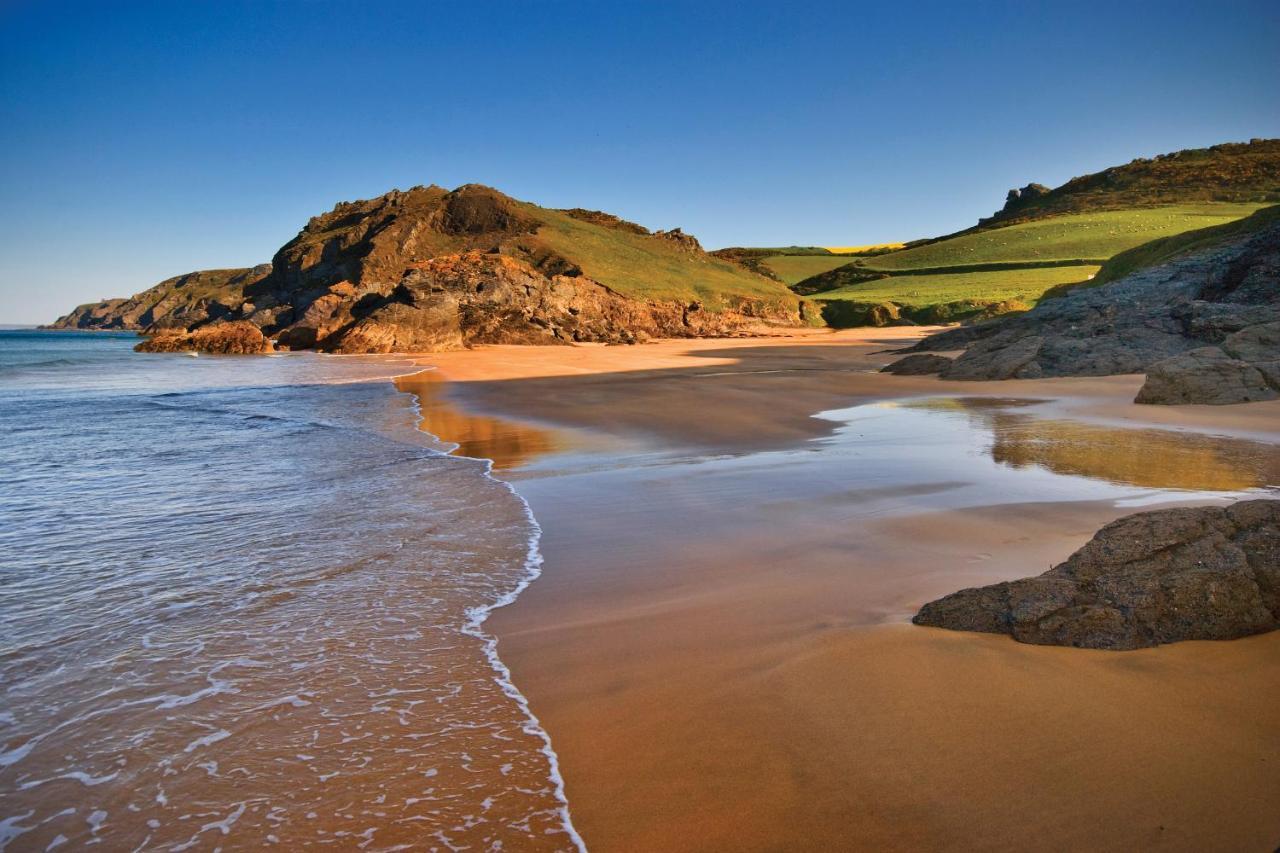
{"points": [[1206, 376], [920, 364], [1207, 573]]}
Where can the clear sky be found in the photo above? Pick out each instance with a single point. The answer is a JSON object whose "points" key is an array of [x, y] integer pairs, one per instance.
{"points": [[139, 141]]}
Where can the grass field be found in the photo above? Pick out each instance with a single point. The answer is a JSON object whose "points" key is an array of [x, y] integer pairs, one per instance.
{"points": [[1025, 285], [1082, 236], [795, 268], [647, 268]]}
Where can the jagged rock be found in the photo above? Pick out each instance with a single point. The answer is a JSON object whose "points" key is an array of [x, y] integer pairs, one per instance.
{"points": [[920, 364], [1206, 375], [238, 338], [1208, 573]]}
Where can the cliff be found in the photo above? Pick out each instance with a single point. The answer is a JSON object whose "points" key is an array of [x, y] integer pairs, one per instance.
{"points": [[179, 302]]}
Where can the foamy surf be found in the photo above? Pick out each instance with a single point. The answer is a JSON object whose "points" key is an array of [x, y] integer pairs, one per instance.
{"points": [[474, 627], [251, 613]]}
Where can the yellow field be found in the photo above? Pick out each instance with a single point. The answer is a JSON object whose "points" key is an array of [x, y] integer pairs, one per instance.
{"points": [[854, 250]]}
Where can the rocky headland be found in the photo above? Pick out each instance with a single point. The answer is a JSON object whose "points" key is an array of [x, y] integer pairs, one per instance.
{"points": [[1207, 573], [1203, 326], [433, 269]]}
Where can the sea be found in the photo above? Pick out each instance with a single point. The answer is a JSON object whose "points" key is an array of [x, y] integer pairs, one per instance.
{"points": [[243, 606]]}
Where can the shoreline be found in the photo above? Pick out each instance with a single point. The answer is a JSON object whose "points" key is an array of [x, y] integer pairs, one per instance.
{"points": [[613, 651], [479, 615]]}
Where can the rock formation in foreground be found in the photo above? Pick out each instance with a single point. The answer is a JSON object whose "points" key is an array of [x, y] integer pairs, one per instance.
{"points": [[1207, 573], [236, 338], [1204, 327], [432, 269]]}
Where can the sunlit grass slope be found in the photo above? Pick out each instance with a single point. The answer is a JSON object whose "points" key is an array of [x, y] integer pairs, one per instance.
{"points": [[918, 291], [1078, 236], [645, 267]]}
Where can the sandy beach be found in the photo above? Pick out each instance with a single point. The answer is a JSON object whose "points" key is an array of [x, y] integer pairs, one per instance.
{"points": [[719, 645]]}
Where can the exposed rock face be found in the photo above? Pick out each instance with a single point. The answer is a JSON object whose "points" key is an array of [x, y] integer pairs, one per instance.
{"points": [[687, 242], [238, 338], [457, 300], [1223, 303], [175, 303], [431, 269], [920, 364], [1208, 573]]}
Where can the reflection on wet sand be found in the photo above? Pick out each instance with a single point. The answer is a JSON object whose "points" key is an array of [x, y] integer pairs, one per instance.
{"points": [[510, 444], [1151, 458]]}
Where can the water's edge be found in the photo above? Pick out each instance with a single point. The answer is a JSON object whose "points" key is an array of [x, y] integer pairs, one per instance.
{"points": [[478, 615]]}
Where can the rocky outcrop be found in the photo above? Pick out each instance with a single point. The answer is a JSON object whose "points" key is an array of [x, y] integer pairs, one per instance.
{"points": [[1206, 327], [175, 303], [238, 338], [1208, 573], [920, 364], [686, 242], [474, 298], [428, 268]]}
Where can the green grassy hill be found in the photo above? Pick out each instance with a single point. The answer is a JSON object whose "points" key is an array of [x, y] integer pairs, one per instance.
{"points": [[647, 266], [1046, 240], [1013, 266], [793, 269], [980, 288], [1166, 248], [1081, 237], [1231, 172]]}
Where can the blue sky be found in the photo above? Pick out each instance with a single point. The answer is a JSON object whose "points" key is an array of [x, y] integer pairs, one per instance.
{"points": [[139, 141]]}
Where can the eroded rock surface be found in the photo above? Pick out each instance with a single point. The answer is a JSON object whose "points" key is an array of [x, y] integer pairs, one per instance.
{"points": [[1206, 573], [237, 338]]}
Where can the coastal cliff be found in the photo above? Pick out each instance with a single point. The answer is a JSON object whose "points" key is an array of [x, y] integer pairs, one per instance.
{"points": [[181, 302], [433, 269]]}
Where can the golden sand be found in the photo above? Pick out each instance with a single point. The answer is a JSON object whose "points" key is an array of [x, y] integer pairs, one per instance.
{"points": [[720, 669]]}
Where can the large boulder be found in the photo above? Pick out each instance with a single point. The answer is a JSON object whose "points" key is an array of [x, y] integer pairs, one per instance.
{"points": [[1206, 375], [1207, 573]]}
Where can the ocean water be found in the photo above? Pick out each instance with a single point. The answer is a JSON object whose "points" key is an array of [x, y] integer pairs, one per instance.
{"points": [[243, 605]]}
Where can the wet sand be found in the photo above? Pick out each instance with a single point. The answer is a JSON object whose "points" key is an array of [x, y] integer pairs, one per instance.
{"points": [[719, 644]]}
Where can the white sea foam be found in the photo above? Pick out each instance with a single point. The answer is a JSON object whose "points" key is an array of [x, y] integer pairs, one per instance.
{"points": [[476, 617]]}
